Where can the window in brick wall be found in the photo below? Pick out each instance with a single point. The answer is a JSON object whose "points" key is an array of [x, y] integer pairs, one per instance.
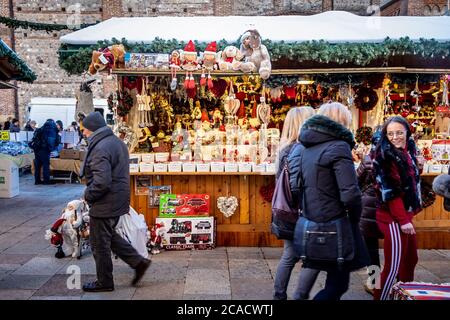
{"points": [[19, 9], [130, 10], [154, 10], [25, 35], [185, 10], [100, 9], [63, 9]]}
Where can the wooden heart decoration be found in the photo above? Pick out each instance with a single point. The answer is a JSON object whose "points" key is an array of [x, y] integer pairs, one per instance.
{"points": [[227, 205]]}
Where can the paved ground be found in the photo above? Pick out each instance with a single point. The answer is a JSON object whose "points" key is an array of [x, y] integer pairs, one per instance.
{"points": [[28, 269]]}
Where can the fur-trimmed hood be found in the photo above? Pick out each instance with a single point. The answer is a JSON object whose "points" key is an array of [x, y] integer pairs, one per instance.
{"points": [[319, 129]]}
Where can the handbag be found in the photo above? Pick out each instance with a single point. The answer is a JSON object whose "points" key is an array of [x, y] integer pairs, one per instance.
{"points": [[330, 241], [284, 214]]}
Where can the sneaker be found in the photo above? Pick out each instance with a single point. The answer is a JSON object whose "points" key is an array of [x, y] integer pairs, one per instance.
{"points": [[140, 271], [96, 287]]}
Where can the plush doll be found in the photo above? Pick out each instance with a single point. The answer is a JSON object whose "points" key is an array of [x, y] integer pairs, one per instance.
{"points": [[189, 63], [113, 56], [209, 62], [255, 52], [229, 58], [54, 235], [175, 63], [156, 233]]}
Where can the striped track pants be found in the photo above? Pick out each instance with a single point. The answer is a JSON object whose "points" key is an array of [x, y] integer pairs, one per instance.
{"points": [[400, 259]]}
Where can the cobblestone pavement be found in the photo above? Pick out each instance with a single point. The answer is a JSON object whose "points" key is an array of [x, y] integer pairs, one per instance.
{"points": [[29, 270]]}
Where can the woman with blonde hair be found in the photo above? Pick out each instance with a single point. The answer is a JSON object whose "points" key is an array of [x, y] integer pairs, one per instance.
{"points": [[330, 198], [289, 149]]}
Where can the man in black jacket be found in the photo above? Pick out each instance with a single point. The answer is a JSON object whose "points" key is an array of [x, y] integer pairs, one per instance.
{"points": [[106, 168]]}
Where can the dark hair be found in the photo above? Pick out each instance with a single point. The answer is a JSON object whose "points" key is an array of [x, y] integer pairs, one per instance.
{"points": [[74, 123], [59, 122], [397, 119]]}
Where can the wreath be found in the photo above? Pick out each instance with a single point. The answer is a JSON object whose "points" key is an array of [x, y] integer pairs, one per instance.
{"points": [[366, 99], [364, 135], [227, 205], [124, 102]]}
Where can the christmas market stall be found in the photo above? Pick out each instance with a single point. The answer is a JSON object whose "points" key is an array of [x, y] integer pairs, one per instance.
{"points": [[14, 152], [201, 108]]}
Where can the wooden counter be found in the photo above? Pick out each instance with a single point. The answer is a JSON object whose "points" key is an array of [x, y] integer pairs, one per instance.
{"points": [[250, 225]]}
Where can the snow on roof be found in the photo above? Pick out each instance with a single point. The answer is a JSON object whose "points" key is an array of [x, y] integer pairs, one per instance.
{"points": [[331, 26]]}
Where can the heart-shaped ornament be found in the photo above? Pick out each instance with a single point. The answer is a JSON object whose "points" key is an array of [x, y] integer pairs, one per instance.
{"points": [[227, 205]]}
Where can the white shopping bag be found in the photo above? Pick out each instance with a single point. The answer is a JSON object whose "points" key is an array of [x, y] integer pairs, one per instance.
{"points": [[132, 228]]}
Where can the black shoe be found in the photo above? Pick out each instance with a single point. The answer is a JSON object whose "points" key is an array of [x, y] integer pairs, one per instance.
{"points": [[49, 182], [96, 287], [38, 182], [140, 271]]}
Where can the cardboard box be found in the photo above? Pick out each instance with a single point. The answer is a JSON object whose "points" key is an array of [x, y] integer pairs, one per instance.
{"points": [[134, 167], [146, 167], [231, 167], [435, 168], [245, 167], [83, 155], [188, 167], [259, 167], [160, 167], [9, 179], [217, 166], [203, 167], [174, 167], [270, 167], [148, 157], [69, 154], [162, 157], [135, 158], [188, 233], [184, 205]]}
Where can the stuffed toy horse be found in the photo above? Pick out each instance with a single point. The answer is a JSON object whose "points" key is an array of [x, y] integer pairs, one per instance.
{"points": [[255, 52], [107, 58]]}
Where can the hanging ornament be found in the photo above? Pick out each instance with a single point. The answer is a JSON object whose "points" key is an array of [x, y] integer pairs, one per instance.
{"points": [[445, 90], [350, 95], [415, 94], [227, 205]]}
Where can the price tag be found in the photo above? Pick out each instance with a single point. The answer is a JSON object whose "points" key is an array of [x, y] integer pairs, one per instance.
{"points": [[4, 135], [103, 59]]}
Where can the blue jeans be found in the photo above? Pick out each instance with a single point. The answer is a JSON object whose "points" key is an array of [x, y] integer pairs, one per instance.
{"points": [[335, 286], [306, 280]]}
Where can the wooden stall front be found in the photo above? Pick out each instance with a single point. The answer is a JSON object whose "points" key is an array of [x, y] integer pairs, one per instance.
{"points": [[250, 225]]}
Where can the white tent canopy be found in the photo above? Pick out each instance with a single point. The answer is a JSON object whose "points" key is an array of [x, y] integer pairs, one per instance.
{"points": [[331, 26]]}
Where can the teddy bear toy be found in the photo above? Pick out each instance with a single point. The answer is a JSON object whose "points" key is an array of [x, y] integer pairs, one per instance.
{"points": [[254, 51], [107, 58], [229, 58]]}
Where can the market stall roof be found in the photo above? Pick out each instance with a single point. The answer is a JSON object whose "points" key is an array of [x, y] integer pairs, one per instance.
{"points": [[331, 26], [12, 67]]}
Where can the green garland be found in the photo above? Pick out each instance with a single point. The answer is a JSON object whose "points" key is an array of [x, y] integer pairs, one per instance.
{"points": [[360, 54], [15, 24], [26, 74]]}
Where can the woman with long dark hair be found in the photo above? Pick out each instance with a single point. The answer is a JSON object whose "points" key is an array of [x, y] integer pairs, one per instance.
{"points": [[398, 193]]}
